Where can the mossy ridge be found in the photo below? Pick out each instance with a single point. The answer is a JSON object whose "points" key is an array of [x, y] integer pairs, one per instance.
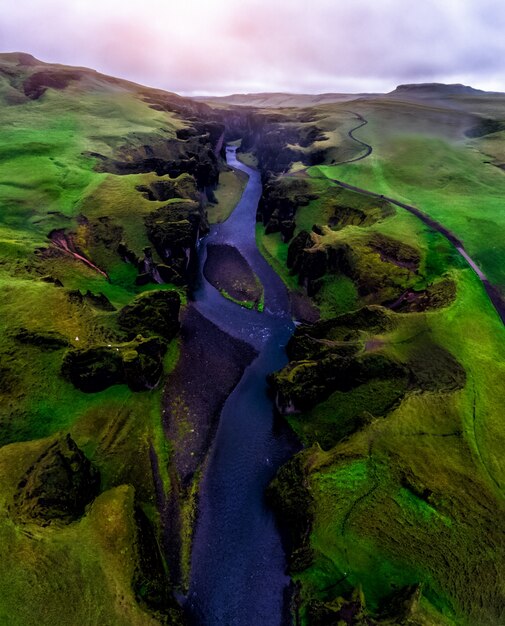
{"points": [[432, 444], [55, 139], [411, 333]]}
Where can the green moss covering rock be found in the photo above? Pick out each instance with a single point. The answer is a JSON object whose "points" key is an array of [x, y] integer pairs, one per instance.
{"points": [[58, 486], [155, 312], [138, 364]]}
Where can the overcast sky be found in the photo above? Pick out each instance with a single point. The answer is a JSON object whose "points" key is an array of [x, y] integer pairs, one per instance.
{"points": [[227, 46]]}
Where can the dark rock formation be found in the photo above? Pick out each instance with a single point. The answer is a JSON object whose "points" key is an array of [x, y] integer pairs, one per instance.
{"points": [[151, 584], [312, 262], [47, 340], [37, 84], [396, 252], [485, 126], [52, 280], [289, 497], [274, 138], [139, 364], [58, 486], [99, 300], [93, 369], [350, 611], [302, 241], [279, 202], [155, 312], [170, 156], [340, 334], [379, 266], [174, 231], [302, 385], [435, 296], [163, 190]]}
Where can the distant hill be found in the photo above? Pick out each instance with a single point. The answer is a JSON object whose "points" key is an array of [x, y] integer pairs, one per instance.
{"points": [[430, 90], [279, 100], [433, 91]]}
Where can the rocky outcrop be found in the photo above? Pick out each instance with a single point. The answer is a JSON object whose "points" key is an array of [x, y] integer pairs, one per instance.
{"points": [[350, 610], [333, 355], [401, 607], [138, 364], [276, 141], [340, 334], [183, 187], [485, 126], [58, 486], [174, 231], [436, 296], [47, 340], [97, 300], [195, 157], [312, 262], [150, 583], [155, 312], [394, 251], [379, 266], [301, 385], [279, 202], [37, 84], [290, 498]]}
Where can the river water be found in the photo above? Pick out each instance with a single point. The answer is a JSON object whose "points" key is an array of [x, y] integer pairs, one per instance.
{"points": [[238, 563]]}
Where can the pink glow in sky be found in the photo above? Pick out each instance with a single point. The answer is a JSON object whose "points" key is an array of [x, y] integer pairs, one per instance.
{"points": [[225, 46]]}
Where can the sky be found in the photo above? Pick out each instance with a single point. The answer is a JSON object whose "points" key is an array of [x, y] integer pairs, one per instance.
{"points": [[243, 46]]}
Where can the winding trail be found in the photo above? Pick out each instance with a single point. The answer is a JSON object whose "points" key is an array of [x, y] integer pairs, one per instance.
{"points": [[493, 293], [238, 563], [368, 147]]}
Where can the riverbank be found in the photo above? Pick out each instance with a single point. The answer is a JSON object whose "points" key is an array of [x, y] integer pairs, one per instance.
{"points": [[238, 562], [195, 394]]}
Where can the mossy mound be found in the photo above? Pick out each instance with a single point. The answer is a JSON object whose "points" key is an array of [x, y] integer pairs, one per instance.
{"points": [[394, 251], [183, 187], [435, 369], [47, 340], [343, 334], [279, 202], [174, 231], [304, 384], [138, 364], [58, 486], [439, 294], [89, 571], [39, 82], [155, 312], [365, 216]]}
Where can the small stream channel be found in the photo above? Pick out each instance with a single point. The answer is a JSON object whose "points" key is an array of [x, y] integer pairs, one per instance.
{"points": [[238, 562]]}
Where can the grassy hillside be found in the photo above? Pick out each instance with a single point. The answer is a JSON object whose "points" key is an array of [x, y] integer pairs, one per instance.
{"points": [[99, 178], [393, 508], [422, 156]]}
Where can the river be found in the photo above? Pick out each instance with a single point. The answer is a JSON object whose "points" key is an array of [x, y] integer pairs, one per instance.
{"points": [[238, 562]]}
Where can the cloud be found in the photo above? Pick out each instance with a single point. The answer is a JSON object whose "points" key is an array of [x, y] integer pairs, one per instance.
{"points": [[223, 45]]}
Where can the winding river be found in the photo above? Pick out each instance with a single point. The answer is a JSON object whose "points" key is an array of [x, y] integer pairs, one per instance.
{"points": [[238, 563]]}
